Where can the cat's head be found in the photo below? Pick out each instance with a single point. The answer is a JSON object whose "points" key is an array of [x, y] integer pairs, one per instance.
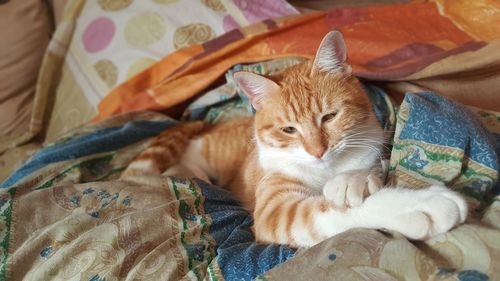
{"points": [[313, 110]]}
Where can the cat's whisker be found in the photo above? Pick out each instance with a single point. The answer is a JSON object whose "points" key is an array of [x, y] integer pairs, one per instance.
{"points": [[373, 148], [364, 144], [346, 150], [367, 147], [366, 136], [367, 139], [364, 128], [362, 132], [370, 141]]}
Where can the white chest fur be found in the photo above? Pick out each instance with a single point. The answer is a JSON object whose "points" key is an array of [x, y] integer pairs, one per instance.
{"points": [[312, 172]]}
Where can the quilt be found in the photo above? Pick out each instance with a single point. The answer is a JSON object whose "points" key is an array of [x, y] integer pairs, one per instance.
{"points": [[65, 216]]}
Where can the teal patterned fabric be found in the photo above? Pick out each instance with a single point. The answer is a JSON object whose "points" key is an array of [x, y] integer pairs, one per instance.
{"points": [[440, 141]]}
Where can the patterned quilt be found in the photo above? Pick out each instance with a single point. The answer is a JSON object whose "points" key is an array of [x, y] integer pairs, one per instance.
{"points": [[64, 216]]}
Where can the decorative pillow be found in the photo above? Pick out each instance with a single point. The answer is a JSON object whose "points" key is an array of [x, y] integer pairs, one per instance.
{"points": [[26, 28], [115, 39], [121, 38]]}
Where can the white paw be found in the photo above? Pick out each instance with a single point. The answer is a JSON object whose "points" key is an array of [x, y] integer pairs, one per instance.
{"points": [[431, 211], [350, 188]]}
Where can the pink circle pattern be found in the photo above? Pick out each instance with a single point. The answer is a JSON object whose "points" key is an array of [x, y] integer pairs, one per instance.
{"points": [[98, 34]]}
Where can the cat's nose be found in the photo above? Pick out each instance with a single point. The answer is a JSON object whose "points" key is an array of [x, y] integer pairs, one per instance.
{"points": [[318, 151]]}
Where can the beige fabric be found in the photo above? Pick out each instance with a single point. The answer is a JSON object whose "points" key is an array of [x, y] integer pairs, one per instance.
{"points": [[69, 110], [24, 35], [14, 158], [466, 252]]}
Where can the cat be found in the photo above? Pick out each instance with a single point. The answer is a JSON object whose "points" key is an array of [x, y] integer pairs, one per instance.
{"points": [[307, 163]]}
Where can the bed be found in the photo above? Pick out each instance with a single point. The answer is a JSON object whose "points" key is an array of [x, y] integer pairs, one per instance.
{"points": [[65, 216]]}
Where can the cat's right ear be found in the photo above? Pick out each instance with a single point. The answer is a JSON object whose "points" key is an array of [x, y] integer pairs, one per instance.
{"points": [[331, 56], [255, 87]]}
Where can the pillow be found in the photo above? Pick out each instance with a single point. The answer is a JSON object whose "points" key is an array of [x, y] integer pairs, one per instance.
{"points": [[121, 38], [26, 29], [114, 40]]}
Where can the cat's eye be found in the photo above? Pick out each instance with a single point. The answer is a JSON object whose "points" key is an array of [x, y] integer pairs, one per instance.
{"points": [[289, 130], [328, 117]]}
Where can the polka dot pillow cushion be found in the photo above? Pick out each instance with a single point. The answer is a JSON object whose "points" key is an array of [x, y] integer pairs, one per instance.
{"points": [[119, 38]]}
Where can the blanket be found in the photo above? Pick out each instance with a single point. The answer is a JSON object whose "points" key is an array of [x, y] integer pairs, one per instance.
{"points": [[64, 215]]}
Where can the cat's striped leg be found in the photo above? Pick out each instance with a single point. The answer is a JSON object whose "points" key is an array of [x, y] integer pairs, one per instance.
{"points": [[165, 150], [285, 212]]}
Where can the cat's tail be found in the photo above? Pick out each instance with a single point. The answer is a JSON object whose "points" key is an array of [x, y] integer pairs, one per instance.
{"points": [[165, 150]]}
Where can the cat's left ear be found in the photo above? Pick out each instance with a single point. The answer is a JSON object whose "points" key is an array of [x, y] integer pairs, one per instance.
{"points": [[331, 55], [255, 87]]}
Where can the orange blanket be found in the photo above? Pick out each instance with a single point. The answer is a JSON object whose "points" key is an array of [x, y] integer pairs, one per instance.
{"points": [[408, 46]]}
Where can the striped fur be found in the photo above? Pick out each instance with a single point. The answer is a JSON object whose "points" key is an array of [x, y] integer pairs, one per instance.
{"points": [[164, 151], [305, 163]]}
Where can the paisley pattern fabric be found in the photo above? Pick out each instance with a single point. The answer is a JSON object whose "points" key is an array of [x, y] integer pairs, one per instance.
{"points": [[65, 216]]}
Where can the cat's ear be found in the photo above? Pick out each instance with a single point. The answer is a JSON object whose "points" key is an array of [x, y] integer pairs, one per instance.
{"points": [[255, 87], [331, 55]]}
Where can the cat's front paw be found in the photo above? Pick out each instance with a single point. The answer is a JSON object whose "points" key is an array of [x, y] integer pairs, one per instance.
{"points": [[349, 189], [435, 211]]}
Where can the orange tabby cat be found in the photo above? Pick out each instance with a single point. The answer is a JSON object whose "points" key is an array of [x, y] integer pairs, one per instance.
{"points": [[307, 161]]}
